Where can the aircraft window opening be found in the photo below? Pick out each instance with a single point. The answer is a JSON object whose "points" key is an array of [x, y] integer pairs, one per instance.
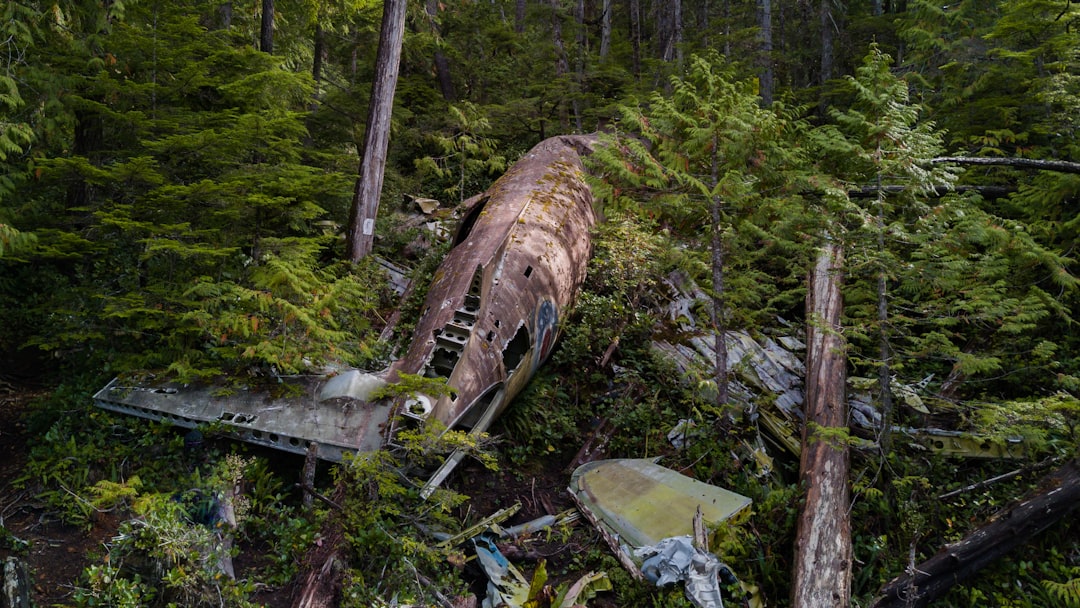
{"points": [[293, 441], [528, 271], [469, 221], [443, 362], [498, 323], [516, 349], [490, 336], [273, 437]]}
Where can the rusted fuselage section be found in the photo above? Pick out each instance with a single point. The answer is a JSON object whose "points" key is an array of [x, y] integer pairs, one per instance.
{"points": [[491, 317], [495, 305]]}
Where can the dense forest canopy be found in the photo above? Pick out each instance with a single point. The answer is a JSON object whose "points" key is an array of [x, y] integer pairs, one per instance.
{"points": [[176, 179]]}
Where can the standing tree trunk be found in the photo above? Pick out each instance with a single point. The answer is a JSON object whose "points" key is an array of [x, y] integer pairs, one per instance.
{"points": [[669, 31], [266, 33], [826, 40], [823, 543], [719, 312], [765, 17], [727, 28], [605, 30], [519, 16], [365, 205], [562, 63], [582, 42], [225, 13], [635, 36], [885, 371], [442, 64]]}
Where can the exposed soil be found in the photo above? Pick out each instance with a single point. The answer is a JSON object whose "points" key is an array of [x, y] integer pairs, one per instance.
{"points": [[55, 553]]}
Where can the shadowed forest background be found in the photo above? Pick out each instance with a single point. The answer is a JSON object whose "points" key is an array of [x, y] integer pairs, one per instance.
{"points": [[176, 180]]}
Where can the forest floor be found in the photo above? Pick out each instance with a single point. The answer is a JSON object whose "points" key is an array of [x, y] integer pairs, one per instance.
{"points": [[57, 553]]}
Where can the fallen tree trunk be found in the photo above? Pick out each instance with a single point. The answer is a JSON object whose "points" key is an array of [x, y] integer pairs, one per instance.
{"points": [[1057, 496], [822, 574], [1061, 166]]}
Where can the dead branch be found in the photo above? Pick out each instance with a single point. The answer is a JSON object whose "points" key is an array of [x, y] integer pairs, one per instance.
{"points": [[1057, 496]]}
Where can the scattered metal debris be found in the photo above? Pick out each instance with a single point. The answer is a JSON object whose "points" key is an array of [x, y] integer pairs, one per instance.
{"points": [[647, 515], [773, 367]]}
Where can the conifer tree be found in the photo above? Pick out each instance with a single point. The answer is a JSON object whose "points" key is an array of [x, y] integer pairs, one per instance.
{"points": [[706, 156], [193, 242], [882, 141]]}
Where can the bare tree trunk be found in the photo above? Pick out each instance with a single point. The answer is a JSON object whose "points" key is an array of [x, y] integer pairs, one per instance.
{"points": [[442, 64], [605, 30], [669, 30], [823, 544], [719, 312], [365, 205], [765, 16], [579, 68], [635, 35], [885, 370], [826, 40], [266, 33], [318, 58], [225, 11], [1057, 497], [562, 63], [727, 28], [519, 16]]}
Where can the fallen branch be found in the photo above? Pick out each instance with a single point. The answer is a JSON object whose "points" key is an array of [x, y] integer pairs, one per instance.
{"points": [[988, 482], [1061, 166], [1058, 496], [938, 190]]}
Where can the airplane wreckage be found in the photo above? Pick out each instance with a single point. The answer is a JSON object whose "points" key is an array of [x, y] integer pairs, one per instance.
{"points": [[490, 319]]}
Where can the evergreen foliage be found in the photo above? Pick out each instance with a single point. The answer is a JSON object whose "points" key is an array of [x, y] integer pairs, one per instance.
{"points": [[171, 197]]}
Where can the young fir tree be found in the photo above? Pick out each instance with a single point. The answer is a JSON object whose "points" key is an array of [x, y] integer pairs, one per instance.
{"points": [[936, 285], [709, 163], [880, 142]]}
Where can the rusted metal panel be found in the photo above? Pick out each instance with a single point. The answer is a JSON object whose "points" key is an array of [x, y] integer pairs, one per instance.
{"points": [[495, 305]]}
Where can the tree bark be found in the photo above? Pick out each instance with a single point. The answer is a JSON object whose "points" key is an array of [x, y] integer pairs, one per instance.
{"points": [[635, 36], [1057, 496], [885, 369], [823, 542], [562, 62], [579, 65], [266, 33], [605, 30], [519, 16], [365, 205], [1061, 166], [442, 64], [766, 78], [719, 312], [826, 40]]}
